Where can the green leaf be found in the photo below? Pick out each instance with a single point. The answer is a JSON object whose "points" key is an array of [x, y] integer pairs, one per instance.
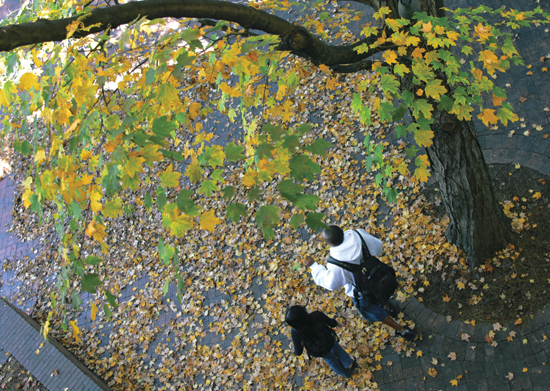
{"points": [[207, 187], [234, 152], [297, 220], [112, 208], [276, 132], [302, 166], [162, 127], [319, 147], [111, 181], [107, 311], [264, 150], [165, 288], [214, 156], [291, 143], [445, 103], [399, 113], [411, 151], [228, 193], [160, 248], [314, 221], [77, 301], [434, 89], [92, 260], [400, 69], [23, 147], [194, 172], [400, 131], [408, 97], [254, 194], [385, 111], [184, 201], [389, 84], [148, 200], [304, 128], [422, 106], [307, 201], [111, 299], [161, 198], [235, 211], [76, 209], [505, 115], [90, 282], [289, 189], [266, 217]]}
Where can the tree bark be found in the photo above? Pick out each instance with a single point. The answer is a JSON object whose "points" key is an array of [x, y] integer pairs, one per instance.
{"points": [[477, 222], [295, 38]]}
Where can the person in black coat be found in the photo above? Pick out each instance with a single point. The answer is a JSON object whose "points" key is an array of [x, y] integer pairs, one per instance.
{"points": [[314, 332]]}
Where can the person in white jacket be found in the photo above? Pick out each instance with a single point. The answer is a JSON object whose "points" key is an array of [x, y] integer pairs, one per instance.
{"points": [[346, 247]]}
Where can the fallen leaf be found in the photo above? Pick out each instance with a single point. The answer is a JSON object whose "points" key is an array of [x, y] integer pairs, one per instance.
{"points": [[452, 356], [510, 376]]}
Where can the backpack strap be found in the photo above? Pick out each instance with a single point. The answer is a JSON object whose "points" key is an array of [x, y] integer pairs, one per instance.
{"points": [[350, 267], [364, 247]]}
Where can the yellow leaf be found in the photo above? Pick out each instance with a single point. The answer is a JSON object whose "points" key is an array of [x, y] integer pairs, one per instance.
{"points": [[40, 156], [90, 230], [208, 220], [446, 298], [427, 27], [76, 330], [29, 80], [170, 178], [487, 116], [71, 28], [85, 155], [525, 369], [460, 285], [94, 311], [95, 196], [544, 69], [497, 101], [432, 372], [250, 178], [483, 32], [26, 197], [537, 195], [454, 382], [419, 353], [420, 92], [417, 53], [390, 56]]}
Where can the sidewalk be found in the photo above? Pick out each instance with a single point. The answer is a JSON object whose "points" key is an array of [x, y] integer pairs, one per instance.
{"points": [[475, 365]]}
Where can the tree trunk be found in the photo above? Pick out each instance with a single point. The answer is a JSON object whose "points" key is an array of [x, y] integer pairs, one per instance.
{"points": [[477, 222]]}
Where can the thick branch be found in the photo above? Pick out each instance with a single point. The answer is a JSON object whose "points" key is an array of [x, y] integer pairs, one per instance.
{"points": [[295, 38]]}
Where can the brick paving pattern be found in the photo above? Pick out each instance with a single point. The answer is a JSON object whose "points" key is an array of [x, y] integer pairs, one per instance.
{"points": [[479, 365]]}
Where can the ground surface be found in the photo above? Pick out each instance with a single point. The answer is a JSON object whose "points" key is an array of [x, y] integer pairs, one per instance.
{"points": [[514, 285], [14, 377]]}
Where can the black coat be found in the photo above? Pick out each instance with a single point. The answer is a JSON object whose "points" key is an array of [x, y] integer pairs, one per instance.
{"points": [[316, 317]]}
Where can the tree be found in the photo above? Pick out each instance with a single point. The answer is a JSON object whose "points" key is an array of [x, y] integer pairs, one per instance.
{"points": [[108, 101]]}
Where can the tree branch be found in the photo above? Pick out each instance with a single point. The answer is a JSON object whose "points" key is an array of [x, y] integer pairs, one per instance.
{"points": [[295, 38]]}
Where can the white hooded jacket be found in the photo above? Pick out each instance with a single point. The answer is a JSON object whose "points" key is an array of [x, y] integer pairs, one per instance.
{"points": [[334, 277]]}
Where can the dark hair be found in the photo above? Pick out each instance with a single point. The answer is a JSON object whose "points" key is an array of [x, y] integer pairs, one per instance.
{"points": [[334, 235], [296, 316]]}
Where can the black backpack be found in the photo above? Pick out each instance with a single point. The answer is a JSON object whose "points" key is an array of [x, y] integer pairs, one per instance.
{"points": [[320, 341], [372, 278]]}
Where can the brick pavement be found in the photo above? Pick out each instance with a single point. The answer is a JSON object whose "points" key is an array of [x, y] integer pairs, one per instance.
{"points": [[479, 365]]}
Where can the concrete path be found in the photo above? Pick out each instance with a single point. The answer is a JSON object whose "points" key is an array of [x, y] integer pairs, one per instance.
{"points": [[517, 364]]}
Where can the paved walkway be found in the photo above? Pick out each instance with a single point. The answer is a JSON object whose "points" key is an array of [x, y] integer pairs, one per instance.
{"points": [[518, 363]]}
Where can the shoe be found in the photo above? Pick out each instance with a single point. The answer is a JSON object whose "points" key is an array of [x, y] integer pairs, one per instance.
{"points": [[394, 309], [354, 365], [409, 334]]}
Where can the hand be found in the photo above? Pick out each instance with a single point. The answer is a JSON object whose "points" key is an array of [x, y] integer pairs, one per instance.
{"points": [[308, 261]]}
